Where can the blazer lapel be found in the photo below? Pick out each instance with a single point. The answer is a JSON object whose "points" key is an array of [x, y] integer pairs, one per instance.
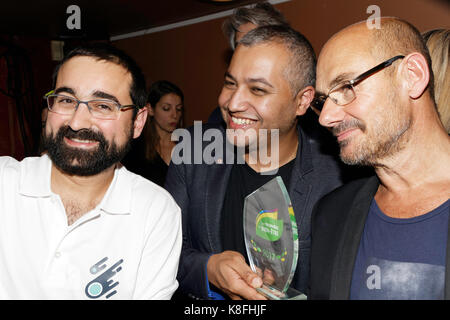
{"points": [[299, 193], [216, 183], [301, 187], [349, 243]]}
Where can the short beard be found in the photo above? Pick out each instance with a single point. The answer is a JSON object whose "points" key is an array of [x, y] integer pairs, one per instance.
{"points": [[81, 162], [384, 142]]}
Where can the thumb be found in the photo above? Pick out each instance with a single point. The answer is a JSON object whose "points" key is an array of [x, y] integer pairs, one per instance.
{"points": [[252, 279]]}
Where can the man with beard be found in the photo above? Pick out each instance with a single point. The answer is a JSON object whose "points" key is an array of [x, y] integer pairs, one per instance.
{"points": [[385, 237], [74, 223]]}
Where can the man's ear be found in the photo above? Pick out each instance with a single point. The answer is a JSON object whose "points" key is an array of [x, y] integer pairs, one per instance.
{"points": [[303, 100], [417, 74], [139, 122]]}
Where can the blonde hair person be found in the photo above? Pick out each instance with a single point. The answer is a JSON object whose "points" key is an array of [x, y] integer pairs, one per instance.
{"points": [[438, 43]]}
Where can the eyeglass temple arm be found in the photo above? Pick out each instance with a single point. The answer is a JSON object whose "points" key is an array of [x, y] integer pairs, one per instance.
{"points": [[377, 68], [49, 93]]}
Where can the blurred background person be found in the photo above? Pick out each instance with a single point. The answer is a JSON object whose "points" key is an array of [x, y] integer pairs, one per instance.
{"points": [[438, 43], [245, 19], [151, 155]]}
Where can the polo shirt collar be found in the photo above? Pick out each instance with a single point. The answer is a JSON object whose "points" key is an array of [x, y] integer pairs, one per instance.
{"points": [[35, 181], [35, 177], [118, 198]]}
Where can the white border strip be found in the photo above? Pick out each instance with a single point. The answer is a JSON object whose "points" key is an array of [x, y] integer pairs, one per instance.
{"points": [[183, 23]]}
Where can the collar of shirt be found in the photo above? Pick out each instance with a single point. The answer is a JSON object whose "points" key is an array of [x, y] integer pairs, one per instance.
{"points": [[35, 182]]}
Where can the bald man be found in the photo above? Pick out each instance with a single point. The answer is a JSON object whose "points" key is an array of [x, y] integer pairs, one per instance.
{"points": [[385, 237]]}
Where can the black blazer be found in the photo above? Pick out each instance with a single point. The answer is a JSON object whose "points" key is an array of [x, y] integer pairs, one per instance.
{"points": [[199, 190], [337, 226]]}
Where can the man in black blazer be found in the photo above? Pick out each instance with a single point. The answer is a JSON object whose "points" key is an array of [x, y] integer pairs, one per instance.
{"points": [[385, 237], [268, 84]]}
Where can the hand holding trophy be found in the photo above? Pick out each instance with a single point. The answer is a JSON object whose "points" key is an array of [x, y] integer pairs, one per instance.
{"points": [[271, 239]]}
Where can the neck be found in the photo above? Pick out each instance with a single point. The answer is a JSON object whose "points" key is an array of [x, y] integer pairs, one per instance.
{"points": [[164, 136], [424, 160], [88, 189], [274, 152], [165, 145]]}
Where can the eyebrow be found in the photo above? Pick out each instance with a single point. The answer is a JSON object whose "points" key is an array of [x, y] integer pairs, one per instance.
{"points": [[65, 89], [340, 78], [228, 75], [97, 93], [104, 95], [260, 80], [251, 80]]}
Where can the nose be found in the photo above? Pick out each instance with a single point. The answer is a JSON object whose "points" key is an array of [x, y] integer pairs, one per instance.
{"points": [[81, 118], [236, 100], [174, 113], [331, 114]]}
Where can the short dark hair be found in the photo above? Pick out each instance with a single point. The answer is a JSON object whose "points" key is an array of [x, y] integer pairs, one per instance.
{"points": [[160, 88], [301, 69], [261, 14], [106, 52]]}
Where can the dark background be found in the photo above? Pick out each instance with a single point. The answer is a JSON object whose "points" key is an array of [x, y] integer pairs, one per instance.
{"points": [[194, 56]]}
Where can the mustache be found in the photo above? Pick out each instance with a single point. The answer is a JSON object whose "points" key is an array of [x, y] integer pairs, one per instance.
{"points": [[83, 134], [350, 124]]}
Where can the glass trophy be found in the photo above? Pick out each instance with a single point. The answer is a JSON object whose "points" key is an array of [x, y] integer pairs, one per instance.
{"points": [[271, 239]]}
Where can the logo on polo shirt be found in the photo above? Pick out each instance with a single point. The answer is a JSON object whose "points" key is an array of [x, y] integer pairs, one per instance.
{"points": [[102, 284]]}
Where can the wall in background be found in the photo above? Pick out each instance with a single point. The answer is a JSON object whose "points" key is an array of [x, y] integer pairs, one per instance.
{"points": [[25, 72], [195, 56]]}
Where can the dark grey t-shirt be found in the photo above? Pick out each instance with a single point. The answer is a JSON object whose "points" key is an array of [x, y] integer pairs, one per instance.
{"points": [[402, 258]]}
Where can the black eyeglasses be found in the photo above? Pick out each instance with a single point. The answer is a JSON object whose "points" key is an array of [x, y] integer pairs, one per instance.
{"points": [[344, 93]]}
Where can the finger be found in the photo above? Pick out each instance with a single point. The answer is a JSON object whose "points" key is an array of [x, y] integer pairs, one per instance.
{"points": [[242, 289], [268, 277], [259, 272], [252, 278], [234, 296]]}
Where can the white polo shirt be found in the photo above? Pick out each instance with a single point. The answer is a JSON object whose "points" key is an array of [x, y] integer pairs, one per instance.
{"points": [[128, 247]]}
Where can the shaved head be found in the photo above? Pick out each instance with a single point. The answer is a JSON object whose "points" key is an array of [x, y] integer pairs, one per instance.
{"points": [[376, 124], [394, 37]]}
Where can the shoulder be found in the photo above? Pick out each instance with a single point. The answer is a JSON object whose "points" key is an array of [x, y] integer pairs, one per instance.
{"points": [[8, 163], [336, 204], [9, 171], [344, 193], [10, 167], [147, 194]]}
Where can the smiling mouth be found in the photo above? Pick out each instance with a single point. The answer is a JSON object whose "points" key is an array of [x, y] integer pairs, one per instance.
{"points": [[80, 142], [242, 121]]}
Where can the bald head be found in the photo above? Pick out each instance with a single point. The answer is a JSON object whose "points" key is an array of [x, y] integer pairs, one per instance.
{"points": [[376, 88], [394, 37]]}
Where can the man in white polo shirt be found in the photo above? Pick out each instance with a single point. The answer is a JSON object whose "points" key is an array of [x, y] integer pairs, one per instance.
{"points": [[74, 223]]}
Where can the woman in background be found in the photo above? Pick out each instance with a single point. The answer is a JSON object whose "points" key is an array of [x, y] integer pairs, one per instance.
{"points": [[165, 115], [438, 43]]}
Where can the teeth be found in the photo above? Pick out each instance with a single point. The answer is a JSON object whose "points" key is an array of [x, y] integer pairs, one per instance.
{"points": [[82, 141], [242, 120]]}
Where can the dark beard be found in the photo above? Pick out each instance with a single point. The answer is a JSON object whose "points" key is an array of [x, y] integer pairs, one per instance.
{"points": [[81, 162]]}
